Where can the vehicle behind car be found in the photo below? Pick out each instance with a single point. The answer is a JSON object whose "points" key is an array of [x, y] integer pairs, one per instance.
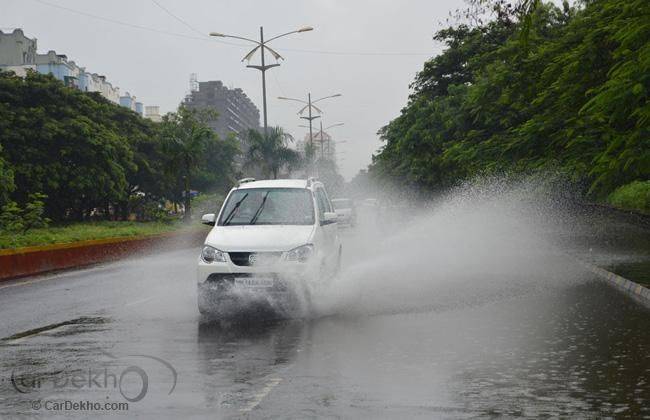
{"points": [[272, 242], [346, 211]]}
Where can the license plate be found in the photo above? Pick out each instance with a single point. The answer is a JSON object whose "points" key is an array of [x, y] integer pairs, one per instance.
{"points": [[254, 282]]}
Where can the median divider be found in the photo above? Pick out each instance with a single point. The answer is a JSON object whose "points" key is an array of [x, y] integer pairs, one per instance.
{"points": [[29, 261], [638, 292]]}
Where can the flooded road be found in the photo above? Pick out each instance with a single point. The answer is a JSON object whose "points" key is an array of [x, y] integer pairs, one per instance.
{"points": [[494, 324], [575, 348]]}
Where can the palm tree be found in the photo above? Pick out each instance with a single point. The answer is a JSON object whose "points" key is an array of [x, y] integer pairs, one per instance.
{"points": [[270, 153]]}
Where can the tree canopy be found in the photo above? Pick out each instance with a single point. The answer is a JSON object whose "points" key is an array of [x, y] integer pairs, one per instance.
{"points": [[81, 152], [270, 153], [572, 96]]}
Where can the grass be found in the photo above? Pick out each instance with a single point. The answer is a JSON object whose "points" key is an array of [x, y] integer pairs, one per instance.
{"points": [[75, 232], [633, 196]]}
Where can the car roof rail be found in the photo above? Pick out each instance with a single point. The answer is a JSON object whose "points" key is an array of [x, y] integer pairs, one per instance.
{"points": [[245, 180]]}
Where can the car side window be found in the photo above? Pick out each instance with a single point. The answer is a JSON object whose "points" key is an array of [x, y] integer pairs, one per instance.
{"points": [[323, 204], [329, 206]]}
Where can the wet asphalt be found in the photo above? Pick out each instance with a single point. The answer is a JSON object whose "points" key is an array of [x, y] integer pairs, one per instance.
{"points": [[129, 332]]}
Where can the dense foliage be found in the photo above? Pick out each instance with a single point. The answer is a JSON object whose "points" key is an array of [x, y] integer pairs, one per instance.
{"points": [[635, 195], [194, 154], [572, 95], [84, 156]]}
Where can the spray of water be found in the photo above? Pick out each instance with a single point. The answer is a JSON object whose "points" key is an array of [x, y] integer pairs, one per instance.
{"points": [[488, 240]]}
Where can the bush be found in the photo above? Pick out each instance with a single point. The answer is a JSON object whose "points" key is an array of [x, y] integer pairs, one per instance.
{"points": [[10, 218], [633, 196], [16, 220], [147, 210]]}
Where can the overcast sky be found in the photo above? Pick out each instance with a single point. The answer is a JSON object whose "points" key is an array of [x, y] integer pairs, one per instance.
{"points": [[339, 56]]}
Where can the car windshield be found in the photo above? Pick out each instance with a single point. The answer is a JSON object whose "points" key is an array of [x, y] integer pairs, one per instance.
{"points": [[268, 206], [342, 203]]}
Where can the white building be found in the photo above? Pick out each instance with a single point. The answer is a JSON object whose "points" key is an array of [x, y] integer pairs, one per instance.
{"points": [[153, 113], [128, 101], [93, 82], [18, 53], [59, 66], [16, 49]]}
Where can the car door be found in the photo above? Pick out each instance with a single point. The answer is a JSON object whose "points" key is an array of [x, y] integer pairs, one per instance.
{"points": [[329, 229]]}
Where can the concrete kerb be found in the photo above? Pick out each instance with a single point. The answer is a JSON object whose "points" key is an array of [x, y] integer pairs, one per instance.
{"points": [[638, 292], [23, 262]]}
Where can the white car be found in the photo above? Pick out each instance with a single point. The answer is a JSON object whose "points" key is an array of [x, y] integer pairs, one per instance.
{"points": [[271, 242], [345, 211]]}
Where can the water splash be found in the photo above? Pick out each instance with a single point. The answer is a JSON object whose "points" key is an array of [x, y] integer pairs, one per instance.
{"points": [[487, 240]]}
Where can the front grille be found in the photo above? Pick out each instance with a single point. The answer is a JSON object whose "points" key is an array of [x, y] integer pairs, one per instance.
{"points": [[259, 258]]}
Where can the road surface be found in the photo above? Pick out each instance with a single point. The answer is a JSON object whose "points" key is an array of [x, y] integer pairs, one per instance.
{"points": [[540, 342]]}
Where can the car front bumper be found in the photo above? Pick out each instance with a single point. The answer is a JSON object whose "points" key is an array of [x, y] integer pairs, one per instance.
{"points": [[219, 293]]}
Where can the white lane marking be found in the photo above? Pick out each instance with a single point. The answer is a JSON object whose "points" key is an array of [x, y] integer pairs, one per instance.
{"points": [[28, 282], [135, 302], [257, 398], [52, 276]]}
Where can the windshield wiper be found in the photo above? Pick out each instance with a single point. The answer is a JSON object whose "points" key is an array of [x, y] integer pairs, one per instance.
{"points": [[260, 208], [234, 209]]}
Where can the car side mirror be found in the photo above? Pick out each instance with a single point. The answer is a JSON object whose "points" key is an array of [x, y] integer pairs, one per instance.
{"points": [[209, 219], [329, 217]]}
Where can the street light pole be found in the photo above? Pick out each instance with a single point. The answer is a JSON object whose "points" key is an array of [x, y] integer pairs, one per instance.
{"points": [[309, 104], [329, 140], [310, 118], [322, 140], [262, 46], [263, 68]]}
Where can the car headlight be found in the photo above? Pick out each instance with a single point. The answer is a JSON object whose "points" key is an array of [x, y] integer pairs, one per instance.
{"points": [[301, 254], [210, 255]]}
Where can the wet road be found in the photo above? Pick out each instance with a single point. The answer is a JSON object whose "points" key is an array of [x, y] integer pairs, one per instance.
{"points": [[554, 342]]}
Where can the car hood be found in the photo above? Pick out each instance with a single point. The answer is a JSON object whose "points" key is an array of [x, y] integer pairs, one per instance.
{"points": [[259, 237]]}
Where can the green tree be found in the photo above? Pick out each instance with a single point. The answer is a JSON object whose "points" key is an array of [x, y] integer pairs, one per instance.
{"points": [[217, 175], [57, 144], [17, 220], [187, 138], [93, 158], [270, 153], [573, 98], [6, 179]]}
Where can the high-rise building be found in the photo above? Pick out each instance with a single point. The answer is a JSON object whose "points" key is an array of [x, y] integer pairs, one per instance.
{"points": [[237, 113]]}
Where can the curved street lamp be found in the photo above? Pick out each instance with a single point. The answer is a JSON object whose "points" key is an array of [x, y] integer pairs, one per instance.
{"points": [[322, 139], [309, 105], [261, 45]]}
